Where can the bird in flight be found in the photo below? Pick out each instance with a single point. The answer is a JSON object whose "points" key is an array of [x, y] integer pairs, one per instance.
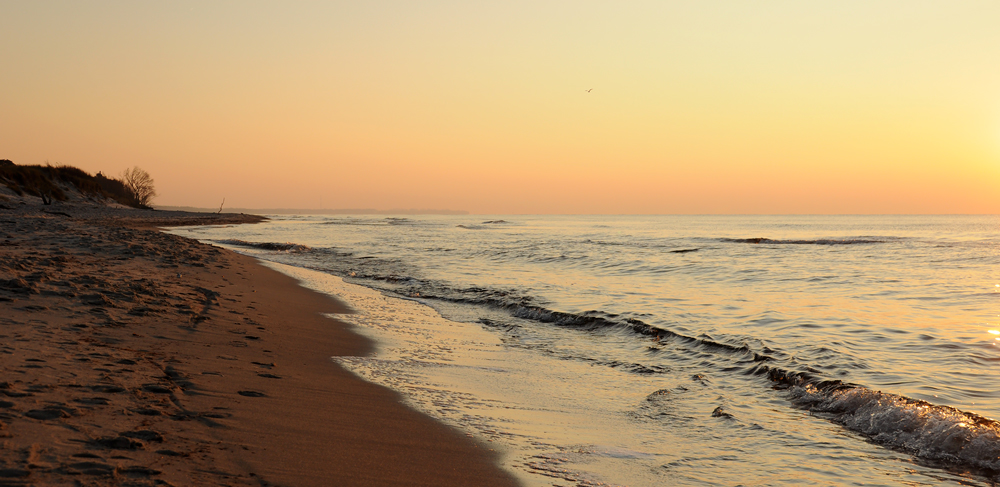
{"points": [[588, 91]]}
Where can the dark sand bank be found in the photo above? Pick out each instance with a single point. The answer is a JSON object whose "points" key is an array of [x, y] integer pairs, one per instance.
{"points": [[133, 357]]}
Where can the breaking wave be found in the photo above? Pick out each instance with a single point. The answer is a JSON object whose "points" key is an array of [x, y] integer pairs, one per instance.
{"points": [[821, 241], [280, 247], [939, 434]]}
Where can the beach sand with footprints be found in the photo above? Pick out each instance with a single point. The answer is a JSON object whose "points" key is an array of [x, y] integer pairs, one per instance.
{"points": [[133, 357]]}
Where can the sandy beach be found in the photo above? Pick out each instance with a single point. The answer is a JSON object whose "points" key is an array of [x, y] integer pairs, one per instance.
{"points": [[132, 357]]}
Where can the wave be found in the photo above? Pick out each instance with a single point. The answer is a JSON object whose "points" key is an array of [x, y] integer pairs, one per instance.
{"points": [[669, 247], [935, 433], [821, 241], [939, 434], [472, 226], [371, 221], [281, 247]]}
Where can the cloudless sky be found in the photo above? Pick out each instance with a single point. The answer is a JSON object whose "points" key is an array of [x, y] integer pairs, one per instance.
{"points": [[696, 107]]}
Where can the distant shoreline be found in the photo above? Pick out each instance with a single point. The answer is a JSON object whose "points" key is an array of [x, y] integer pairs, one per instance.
{"points": [[296, 211]]}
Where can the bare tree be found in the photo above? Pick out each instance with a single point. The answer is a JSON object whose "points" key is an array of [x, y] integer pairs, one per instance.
{"points": [[140, 184]]}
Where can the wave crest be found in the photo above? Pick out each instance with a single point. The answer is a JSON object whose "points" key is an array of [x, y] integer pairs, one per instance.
{"points": [[820, 241], [276, 246], [928, 431]]}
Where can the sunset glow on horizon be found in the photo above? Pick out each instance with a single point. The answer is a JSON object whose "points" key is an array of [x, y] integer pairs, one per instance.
{"points": [[696, 107]]}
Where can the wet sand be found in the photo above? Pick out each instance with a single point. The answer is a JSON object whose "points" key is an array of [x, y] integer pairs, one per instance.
{"points": [[133, 357]]}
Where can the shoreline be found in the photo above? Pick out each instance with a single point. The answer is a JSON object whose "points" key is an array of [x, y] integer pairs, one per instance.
{"points": [[486, 331], [143, 357]]}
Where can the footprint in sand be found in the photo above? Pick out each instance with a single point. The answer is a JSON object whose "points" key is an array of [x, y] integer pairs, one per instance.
{"points": [[93, 401], [144, 435], [138, 471], [171, 453], [89, 468], [118, 443], [86, 455], [107, 389], [12, 473], [148, 411], [49, 413], [156, 389]]}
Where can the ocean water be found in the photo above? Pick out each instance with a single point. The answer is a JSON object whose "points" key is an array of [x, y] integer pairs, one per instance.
{"points": [[676, 350]]}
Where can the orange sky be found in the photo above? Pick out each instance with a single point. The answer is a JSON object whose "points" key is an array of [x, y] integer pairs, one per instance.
{"points": [[697, 107]]}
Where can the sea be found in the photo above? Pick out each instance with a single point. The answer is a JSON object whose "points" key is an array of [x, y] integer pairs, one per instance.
{"points": [[675, 350]]}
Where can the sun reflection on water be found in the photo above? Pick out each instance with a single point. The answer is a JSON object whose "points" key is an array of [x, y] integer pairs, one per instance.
{"points": [[996, 288]]}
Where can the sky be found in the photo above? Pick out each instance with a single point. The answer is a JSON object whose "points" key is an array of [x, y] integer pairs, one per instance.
{"points": [[512, 107]]}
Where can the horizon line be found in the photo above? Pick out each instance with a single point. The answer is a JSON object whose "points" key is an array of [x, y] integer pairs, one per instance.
{"points": [[416, 211]]}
